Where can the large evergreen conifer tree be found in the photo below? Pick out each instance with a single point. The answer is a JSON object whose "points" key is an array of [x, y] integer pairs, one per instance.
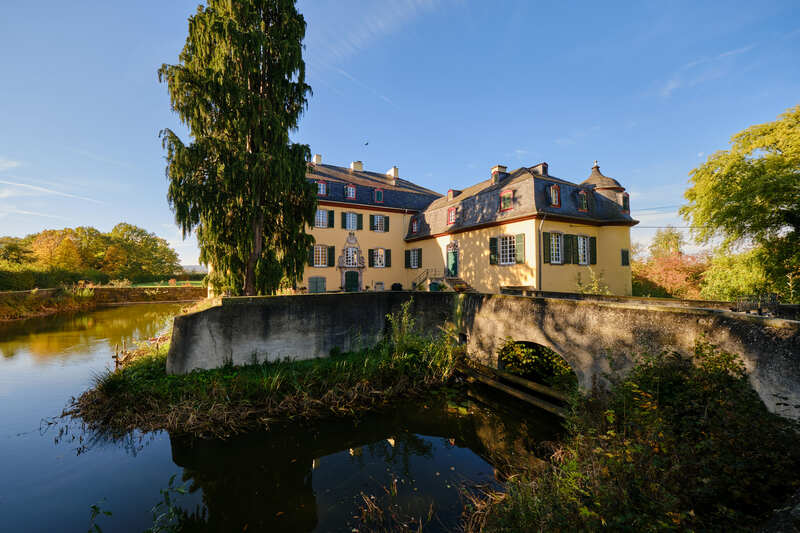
{"points": [[240, 184]]}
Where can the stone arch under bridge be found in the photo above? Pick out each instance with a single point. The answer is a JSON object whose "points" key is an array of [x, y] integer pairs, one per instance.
{"points": [[594, 337]]}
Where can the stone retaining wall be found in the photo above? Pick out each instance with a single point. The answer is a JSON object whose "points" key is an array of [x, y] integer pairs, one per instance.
{"points": [[594, 337]]}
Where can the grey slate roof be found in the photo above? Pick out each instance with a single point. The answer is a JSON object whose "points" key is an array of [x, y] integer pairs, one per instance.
{"points": [[403, 195], [480, 204]]}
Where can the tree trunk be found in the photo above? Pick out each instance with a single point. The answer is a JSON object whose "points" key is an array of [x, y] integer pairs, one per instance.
{"points": [[258, 237]]}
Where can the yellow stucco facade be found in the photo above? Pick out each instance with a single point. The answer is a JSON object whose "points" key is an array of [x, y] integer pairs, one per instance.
{"points": [[473, 254]]}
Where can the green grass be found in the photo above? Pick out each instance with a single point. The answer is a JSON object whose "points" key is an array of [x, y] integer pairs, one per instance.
{"points": [[231, 399], [674, 446]]}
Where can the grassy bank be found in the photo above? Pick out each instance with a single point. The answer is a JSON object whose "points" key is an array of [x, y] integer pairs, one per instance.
{"points": [[221, 402], [674, 446], [17, 305]]}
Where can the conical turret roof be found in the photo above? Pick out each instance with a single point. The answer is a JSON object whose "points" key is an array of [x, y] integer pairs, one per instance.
{"points": [[600, 181]]}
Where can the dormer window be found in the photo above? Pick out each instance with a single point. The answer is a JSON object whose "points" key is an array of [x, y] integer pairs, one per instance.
{"points": [[451, 215], [378, 196], [506, 200], [583, 201], [350, 192], [554, 193], [322, 188], [414, 226], [626, 203]]}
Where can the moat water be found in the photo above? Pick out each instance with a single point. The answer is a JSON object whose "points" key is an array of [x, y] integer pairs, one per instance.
{"points": [[412, 461]]}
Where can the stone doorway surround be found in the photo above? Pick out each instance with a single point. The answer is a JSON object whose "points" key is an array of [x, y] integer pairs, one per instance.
{"points": [[354, 266]]}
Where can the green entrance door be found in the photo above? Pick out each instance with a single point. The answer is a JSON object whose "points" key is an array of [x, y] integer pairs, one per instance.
{"points": [[351, 281], [452, 263]]}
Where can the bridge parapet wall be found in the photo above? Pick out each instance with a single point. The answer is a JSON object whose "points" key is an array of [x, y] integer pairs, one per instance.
{"points": [[594, 337]]}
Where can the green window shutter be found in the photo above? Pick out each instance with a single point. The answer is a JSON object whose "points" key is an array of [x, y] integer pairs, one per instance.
{"points": [[566, 253], [408, 258], [546, 246], [372, 222], [360, 221], [311, 256], [575, 258], [519, 247], [593, 250], [492, 250], [331, 256], [330, 219], [344, 220], [371, 257], [419, 257], [386, 223], [626, 258], [388, 257]]}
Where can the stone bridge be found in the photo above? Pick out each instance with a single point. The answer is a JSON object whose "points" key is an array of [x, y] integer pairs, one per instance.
{"points": [[594, 337]]}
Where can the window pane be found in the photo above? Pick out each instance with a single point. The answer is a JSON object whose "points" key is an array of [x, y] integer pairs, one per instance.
{"points": [[350, 192], [379, 223], [321, 187], [583, 250], [508, 252], [321, 220], [320, 255], [351, 221], [351, 256], [555, 248], [415, 258], [380, 258]]}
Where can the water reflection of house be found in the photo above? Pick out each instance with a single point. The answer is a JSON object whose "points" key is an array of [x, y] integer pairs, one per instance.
{"points": [[519, 228]]}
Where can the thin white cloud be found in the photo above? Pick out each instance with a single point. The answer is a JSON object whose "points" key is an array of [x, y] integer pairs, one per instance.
{"points": [[349, 34], [45, 190], [6, 210], [6, 164], [713, 67], [99, 158], [364, 85]]}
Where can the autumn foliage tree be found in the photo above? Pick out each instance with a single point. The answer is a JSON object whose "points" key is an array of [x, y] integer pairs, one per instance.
{"points": [[749, 195], [240, 184]]}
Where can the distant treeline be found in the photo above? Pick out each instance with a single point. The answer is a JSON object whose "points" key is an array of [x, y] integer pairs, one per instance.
{"points": [[52, 258]]}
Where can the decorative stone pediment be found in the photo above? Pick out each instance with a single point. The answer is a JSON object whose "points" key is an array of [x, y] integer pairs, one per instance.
{"points": [[351, 257]]}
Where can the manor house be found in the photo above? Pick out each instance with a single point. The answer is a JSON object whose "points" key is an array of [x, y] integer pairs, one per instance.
{"points": [[525, 228]]}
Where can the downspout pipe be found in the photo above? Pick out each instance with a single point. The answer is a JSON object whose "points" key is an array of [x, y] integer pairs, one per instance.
{"points": [[539, 254]]}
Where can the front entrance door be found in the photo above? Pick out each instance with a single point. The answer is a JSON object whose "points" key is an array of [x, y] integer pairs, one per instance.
{"points": [[452, 263], [351, 281]]}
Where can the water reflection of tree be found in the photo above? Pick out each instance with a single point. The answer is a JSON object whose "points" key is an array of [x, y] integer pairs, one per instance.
{"points": [[406, 445], [70, 333]]}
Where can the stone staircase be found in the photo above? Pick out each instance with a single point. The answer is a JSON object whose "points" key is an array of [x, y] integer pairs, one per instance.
{"points": [[459, 285]]}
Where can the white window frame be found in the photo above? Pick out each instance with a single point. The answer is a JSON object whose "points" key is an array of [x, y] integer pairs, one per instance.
{"points": [[413, 259], [507, 249], [414, 226], [322, 188], [556, 248], [350, 192], [320, 255], [350, 221], [321, 218], [351, 256], [380, 258], [380, 223], [452, 213], [583, 250]]}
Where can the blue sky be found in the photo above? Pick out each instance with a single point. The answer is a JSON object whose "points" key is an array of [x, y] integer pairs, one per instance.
{"points": [[444, 89]]}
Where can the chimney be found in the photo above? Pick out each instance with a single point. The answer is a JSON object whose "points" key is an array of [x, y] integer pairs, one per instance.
{"points": [[498, 173], [357, 166], [317, 159], [393, 173], [452, 193], [540, 169]]}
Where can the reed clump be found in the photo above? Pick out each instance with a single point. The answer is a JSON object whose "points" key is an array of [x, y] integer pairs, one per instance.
{"points": [[233, 399]]}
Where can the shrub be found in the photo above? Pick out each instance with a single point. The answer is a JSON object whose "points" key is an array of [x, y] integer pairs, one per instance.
{"points": [[536, 363], [679, 444]]}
